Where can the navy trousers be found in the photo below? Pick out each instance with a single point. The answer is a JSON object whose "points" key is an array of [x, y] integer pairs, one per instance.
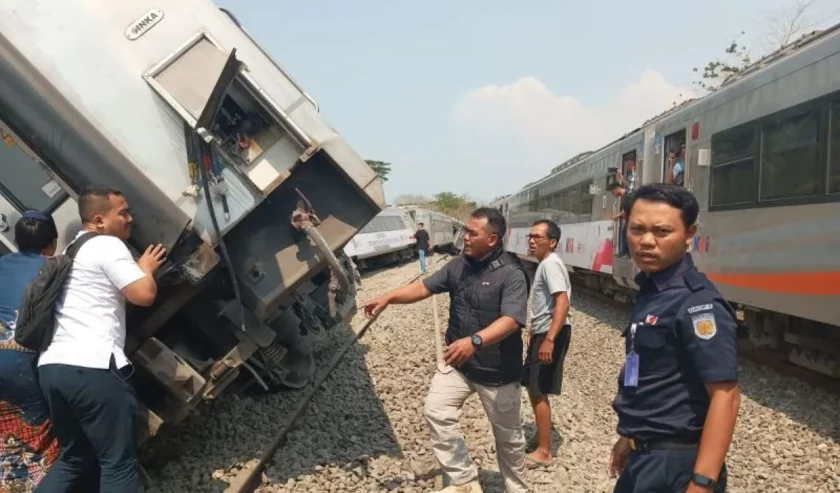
{"points": [[661, 471], [94, 415]]}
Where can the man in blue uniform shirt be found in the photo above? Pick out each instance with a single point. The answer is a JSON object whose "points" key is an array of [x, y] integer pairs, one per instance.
{"points": [[678, 394]]}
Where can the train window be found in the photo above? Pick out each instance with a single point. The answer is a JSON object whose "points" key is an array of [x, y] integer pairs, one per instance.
{"points": [[574, 200], [733, 144], [834, 150], [675, 169], [22, 180], [733, 167], [628, 169], [790, 165]]}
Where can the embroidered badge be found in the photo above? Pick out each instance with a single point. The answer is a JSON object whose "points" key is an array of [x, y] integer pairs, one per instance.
{"points": [[700, 308], [651, 319], [704, 325]]}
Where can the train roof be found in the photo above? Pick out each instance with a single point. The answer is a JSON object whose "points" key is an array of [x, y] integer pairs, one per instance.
{"points": [[780, 54]]}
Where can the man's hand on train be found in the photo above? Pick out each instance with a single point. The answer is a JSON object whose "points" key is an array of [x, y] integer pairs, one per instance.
{"points": [[459, 352], [152, 259], [375, 306]]}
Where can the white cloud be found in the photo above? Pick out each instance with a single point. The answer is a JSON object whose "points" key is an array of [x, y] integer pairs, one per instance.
{"points": [[548, 128]]}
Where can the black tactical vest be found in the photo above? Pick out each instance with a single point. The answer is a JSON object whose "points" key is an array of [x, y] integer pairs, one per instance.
{"points": [[475, 303]]}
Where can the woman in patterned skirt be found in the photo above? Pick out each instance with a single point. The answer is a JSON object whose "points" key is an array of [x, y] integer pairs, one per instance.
{"points": [[27, 446]]}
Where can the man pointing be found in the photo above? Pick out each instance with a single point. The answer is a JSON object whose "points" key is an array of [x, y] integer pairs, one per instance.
{"points": [[488, 292]]}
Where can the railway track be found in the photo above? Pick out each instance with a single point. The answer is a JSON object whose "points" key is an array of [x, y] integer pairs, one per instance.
{"points": [[249, 479], [361, 426]]}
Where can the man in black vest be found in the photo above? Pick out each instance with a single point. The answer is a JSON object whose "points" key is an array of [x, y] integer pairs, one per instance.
{"points": [[488, 292]]}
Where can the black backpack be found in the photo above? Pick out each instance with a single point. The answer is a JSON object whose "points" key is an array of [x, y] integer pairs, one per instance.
{"points": [[35, 324]]}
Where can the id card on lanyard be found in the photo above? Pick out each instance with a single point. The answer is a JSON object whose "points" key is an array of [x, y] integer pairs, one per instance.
{"points": [[631, 366]]}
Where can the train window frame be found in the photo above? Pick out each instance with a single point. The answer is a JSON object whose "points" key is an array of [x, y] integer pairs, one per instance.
{"points": [[833, 151], [806, 111], [822, 105], [10, 139], [752, 155], [667, 139]]}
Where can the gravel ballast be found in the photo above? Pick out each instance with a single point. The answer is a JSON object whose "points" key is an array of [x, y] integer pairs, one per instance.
{"points": [[364, 431]]}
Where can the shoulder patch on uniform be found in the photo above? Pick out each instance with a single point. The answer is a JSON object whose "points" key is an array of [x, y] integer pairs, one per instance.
{"points": [[701, 308], [704, 325]]}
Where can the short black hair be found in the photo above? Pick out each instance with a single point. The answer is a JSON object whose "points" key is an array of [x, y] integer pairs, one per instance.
{"points": [[35, 234], [613, 185], [673, 195], [495, 220], [552, 229], [94, 200], [419, 224]]}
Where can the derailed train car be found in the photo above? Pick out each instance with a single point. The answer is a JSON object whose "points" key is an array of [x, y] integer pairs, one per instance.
{"points": [[176, 105], [445, 232], [762, 156], [387, 238]]}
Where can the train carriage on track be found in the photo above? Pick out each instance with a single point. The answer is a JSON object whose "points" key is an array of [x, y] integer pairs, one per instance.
{"points": [[387, 238], [444, 231], [177, 105], [762, 156]]}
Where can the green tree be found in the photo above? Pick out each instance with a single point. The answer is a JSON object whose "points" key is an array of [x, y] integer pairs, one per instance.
{"points": [[381, 168], [451, 204], [447, 202], [715, 73]]}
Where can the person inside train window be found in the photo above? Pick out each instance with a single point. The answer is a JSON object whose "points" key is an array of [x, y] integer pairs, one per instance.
{"points": [[423, 245], [630, 173], [619, 192], [679, 167], [84, 372], [678, 394], [28, 446], [488, 290], [670, 165]]}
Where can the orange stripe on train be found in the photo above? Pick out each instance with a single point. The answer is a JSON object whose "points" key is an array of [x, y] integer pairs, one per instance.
{"points": [[801, 283]]}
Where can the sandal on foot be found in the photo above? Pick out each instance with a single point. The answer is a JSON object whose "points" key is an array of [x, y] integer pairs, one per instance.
{"points": [[533, 462]]}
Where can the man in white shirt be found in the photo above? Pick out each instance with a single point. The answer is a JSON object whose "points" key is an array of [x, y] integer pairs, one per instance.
{"points": [[84, 372], [550, 334]]}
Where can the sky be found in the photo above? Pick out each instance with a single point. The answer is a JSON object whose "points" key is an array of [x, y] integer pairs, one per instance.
{"points": [[481, 97]]}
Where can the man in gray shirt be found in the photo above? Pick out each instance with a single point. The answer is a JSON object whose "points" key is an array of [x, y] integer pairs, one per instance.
{"points": [[550, 334]]}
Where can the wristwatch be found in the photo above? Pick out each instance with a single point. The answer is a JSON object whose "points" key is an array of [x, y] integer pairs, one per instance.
{"points": [[703, 481], [476, 340]]}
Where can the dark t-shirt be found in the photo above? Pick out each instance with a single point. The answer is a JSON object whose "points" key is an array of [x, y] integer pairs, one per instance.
{"points": [[16, 271], [422, 238], [514, 299]]}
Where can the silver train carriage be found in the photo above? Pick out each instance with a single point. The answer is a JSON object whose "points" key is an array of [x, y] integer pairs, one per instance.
{"points": [[445, 232], [387, 238], [177, 105], [763, 159]]}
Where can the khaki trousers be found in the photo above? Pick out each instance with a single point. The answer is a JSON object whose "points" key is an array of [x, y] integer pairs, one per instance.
{"points": [[446, 397]]}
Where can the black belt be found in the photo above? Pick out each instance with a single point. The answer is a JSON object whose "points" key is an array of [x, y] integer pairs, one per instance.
{"points": [[663, 444]]}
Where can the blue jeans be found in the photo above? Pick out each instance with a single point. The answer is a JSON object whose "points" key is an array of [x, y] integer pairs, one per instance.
{"points": [[422, 253]]}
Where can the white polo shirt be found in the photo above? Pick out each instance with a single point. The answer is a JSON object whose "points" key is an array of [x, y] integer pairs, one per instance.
{"points": [[90, 317]]}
